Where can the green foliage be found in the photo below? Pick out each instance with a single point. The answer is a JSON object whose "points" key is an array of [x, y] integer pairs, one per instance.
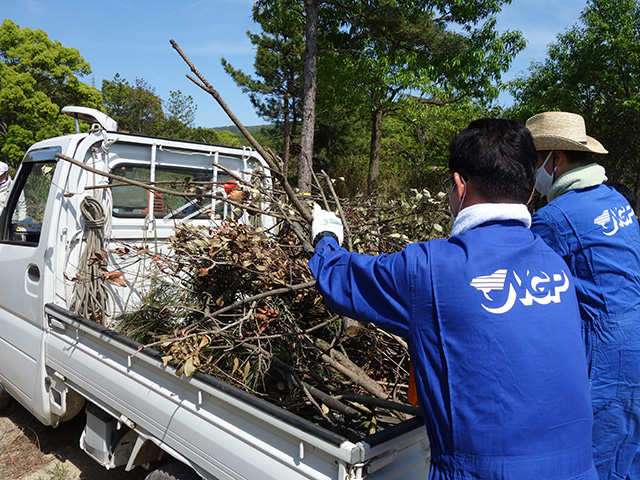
{"points": [[54, 68], [278, 62], [180, 108], [377, 52], [341, 149], [414, 151], [593, 69], [136, 108], [372, 55], [415, 146], [277, 91], [216, 136], [179, 117], [37, 77], [364, 63]]}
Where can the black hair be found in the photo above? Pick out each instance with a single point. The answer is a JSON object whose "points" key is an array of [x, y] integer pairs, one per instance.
{"points": [[499, 157], [577, 157]]}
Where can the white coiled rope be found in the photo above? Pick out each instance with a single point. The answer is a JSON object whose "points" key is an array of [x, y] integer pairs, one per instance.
{"points": [[92, 297]]}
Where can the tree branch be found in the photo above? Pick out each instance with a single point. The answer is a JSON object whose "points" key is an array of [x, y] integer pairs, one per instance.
{"points": [[271, 160]]}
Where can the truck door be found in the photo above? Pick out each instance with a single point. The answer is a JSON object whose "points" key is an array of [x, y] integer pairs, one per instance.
{"points": [[24, 259]]}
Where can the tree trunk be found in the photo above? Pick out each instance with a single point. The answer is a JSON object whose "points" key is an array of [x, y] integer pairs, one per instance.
{"points": [[287, 137], [374, 151], [305, 160]]}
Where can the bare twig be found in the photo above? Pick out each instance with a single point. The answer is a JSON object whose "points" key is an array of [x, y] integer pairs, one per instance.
{"points": [[310, 391], [331, 402], [260, 296], [401, 341], [345, 366], [336, 199], [379, 402], [273, 161]]}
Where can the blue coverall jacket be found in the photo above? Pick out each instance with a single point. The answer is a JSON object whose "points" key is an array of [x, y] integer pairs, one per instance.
{"points": [[493, 328], [596, 232]]}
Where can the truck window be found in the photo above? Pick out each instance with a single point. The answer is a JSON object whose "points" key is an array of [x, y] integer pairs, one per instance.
{"points": [[22, 222], [133, 201]]}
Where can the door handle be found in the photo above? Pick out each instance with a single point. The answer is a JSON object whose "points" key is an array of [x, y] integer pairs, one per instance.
{"points": [[33, 272]]}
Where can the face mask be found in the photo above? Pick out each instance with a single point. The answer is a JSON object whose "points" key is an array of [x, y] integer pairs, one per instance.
{"points": [[464, 195], [544, 180]]}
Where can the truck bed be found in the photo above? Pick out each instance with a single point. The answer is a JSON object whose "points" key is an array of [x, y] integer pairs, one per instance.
{"points": [[221, 431]]}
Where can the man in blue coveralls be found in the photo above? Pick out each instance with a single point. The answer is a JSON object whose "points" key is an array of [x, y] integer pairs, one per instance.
{"points": [[490, 316], [595, 230]]}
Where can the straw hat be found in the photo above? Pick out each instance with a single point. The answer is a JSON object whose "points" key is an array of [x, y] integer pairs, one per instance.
{"points": [[562, 131]]}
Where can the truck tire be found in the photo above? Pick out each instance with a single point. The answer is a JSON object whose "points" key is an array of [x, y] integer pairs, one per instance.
{"points": [[5, 399], [173, 471]]}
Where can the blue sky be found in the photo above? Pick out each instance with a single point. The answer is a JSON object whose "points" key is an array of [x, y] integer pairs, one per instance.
{"points": [[132, 38]]}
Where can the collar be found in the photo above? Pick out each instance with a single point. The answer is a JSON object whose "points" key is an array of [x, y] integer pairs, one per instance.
{"points": [[581, 177], [471, 217]]}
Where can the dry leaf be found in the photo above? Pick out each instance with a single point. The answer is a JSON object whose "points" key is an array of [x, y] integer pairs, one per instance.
{"points": [[204, 342], [245, 374], [236, 364], [189, 367], [115, 278]]}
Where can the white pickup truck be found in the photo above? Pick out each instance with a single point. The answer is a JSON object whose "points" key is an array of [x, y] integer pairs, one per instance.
{"points": [[139, 413]]}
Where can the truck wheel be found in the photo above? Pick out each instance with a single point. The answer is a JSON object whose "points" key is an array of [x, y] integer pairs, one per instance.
{"points": [[173, 471], [5, 399]]}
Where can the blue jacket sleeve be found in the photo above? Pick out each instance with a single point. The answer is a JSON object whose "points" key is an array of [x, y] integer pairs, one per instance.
{"points": [[369, 289]]}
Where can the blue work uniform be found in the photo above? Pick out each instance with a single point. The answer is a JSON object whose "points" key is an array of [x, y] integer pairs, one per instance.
{"points": [[596, 232], [492, 323]]}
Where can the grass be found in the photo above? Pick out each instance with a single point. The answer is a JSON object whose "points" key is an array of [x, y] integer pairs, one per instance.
{"points": [[59, 472]]}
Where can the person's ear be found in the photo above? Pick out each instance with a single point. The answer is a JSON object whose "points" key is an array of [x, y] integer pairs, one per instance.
{"points": [[559, 158], [560, 163], [460, 185]]}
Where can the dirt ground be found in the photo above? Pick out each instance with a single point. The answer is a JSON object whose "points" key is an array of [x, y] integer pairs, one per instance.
{"points": [[31, 451]]}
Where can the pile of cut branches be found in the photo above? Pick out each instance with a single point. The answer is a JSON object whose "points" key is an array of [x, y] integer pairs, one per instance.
{"points": [[238, 303]]}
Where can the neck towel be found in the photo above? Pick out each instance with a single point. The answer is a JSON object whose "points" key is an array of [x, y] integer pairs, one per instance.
{"points": [[478, 214], [581, 177]]}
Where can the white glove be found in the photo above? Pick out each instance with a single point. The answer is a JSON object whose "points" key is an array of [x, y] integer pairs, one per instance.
{"points": [[324, 221]]}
